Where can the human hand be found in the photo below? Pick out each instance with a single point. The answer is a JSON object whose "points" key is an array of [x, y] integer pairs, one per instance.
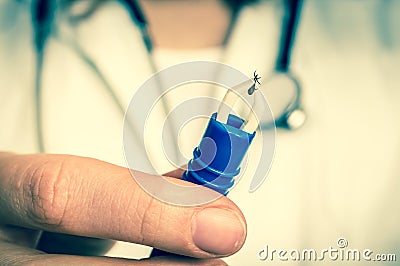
{"points": [[81, 199]]}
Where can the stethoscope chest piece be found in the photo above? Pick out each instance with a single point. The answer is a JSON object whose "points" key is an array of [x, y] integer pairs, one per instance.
{"points": [[283, 92], [295, 119]]}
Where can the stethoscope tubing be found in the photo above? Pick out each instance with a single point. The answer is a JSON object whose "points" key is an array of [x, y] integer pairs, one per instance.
{"points": [[290, 22]]}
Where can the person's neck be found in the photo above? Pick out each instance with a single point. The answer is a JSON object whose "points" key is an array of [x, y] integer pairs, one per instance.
{"points": [[189, 24]]}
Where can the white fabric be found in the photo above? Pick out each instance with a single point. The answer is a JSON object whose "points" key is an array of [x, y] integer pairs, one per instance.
{"points": [[338, 176]]}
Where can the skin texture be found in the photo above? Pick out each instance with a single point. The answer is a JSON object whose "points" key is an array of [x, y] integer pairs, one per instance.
{"points": [[95, 201]]}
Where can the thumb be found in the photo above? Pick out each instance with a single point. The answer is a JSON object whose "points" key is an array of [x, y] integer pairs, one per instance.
{"points": [[88, 197]]}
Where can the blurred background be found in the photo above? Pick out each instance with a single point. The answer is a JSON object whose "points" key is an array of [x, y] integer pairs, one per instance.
{"points": [[336, 176]]}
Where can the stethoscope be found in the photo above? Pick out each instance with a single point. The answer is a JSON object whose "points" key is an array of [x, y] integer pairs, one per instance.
{"points": [[291, 116]]}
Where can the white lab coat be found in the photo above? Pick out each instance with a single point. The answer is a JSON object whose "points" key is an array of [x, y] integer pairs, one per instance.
{"points": [[338, 176]]}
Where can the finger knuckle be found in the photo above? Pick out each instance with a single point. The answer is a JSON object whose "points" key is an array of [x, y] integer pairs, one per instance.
{"points": [[47, 192], [149, 219]]}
